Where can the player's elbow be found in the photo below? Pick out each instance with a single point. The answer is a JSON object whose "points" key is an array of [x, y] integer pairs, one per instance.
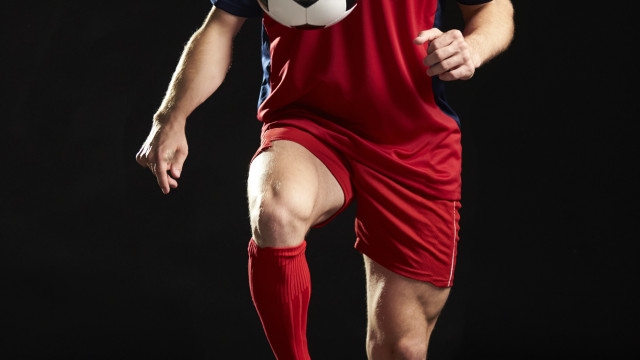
{"points": [[222, 23]]}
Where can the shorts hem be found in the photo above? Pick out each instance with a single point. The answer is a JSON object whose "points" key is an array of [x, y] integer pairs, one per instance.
{"points": [[363, 248], [309, 142]]}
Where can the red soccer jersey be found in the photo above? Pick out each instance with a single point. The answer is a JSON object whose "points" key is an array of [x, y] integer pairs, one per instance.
{"points": [[361, 87]]}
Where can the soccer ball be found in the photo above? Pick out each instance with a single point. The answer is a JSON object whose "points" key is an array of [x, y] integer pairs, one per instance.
{"points": [[307, 14]]}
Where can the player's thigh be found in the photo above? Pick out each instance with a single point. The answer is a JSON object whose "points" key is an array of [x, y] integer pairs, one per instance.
{"points": [[400, 310], [288, 173]]}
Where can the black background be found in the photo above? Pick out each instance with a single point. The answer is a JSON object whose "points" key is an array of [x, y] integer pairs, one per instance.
{"points": [[97, 263]]}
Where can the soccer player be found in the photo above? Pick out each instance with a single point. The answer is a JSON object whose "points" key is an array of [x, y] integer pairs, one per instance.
{"points": [[353, 111]]}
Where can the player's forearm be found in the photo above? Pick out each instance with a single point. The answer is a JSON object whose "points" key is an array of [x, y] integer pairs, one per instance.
{"points": [[201, 69], [488, 29]]}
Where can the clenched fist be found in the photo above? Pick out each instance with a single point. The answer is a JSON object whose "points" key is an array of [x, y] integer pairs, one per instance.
{"points": [[164, 152], [448, 55]]}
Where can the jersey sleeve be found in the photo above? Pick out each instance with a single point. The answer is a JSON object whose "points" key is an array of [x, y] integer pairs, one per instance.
{"points": [[243, 8], [473, 2]]}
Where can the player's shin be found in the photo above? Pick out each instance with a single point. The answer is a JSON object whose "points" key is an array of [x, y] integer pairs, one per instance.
{"points": [[281, 288]]}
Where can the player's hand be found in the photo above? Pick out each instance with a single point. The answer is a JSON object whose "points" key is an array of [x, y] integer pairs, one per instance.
{"points": [[164, 152], [448, 55]]}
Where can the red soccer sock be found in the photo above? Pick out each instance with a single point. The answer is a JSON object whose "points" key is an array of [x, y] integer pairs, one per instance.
{"points": [[281, 287]]}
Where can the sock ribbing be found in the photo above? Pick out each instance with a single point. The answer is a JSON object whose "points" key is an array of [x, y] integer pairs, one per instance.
{"points": [[280, 286]]}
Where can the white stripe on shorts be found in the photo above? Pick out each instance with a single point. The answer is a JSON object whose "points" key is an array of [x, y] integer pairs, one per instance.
{"points": [[453, 250]]}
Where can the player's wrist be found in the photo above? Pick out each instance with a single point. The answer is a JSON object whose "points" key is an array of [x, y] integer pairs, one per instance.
{"points": [[172, 118], [475, 49]]}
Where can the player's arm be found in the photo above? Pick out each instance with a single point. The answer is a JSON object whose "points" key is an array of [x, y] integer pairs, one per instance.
{"points": [[456, 54], [202, 66], [200, 71], [488, 29]]}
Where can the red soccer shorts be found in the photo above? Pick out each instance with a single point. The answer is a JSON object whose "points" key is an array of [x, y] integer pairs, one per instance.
{"points": [[411, 234]]}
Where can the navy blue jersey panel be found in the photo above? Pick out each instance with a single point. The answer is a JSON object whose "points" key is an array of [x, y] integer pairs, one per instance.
{"points": [[243, 8], [265, 89], [437, 85]]}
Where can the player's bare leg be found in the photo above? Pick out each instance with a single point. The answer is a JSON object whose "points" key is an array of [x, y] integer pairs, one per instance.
{"points": [[401, 314], [289, 190]]}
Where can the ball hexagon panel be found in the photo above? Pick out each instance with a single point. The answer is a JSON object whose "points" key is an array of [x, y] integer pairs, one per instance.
{"points": [[307, 14], [286, 12], [306, 3], [327, 12]]}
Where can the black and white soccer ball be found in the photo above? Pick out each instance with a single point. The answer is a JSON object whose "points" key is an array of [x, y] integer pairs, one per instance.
{"points": [[307, 14]]}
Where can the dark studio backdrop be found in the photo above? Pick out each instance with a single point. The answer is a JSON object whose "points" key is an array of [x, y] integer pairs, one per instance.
{"points": [[97, 264]]}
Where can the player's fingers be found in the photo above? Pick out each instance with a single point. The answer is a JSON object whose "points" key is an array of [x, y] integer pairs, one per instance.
{"points": [[173, 183], [141, 156], [160, 171], [446, 39], [445, 65], [152, 168], [462, 73], [427, 35], [439, 55], [177, 162]]}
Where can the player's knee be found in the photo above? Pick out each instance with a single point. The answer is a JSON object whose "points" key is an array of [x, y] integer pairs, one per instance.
{"points": [[409, 348], [279, 217], [404, 348]]}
